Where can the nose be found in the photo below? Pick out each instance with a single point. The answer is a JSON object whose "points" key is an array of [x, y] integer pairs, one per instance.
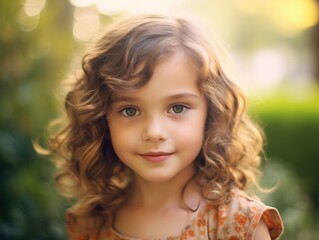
{"points": [[154, 130]]}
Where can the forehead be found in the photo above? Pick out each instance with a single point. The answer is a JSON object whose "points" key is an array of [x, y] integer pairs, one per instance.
{"points": [[172, 76]]}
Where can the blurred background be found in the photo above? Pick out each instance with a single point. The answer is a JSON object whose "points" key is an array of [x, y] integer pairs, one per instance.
{"points": [[275, 44]]}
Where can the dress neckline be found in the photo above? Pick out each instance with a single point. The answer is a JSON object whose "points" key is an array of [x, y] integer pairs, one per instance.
{"points": [[200, 213]]}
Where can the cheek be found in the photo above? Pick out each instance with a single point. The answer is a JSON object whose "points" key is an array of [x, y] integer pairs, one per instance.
{"points": [[190, 136], [121, 137]]}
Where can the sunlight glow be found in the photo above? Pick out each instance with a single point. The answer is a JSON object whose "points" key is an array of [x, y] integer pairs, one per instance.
{"points": [[86, 15], [267, 59], [248, 6], [82, 3], [27, 23], [295, 16], [33, 7], [86, 23], [110, 7]]}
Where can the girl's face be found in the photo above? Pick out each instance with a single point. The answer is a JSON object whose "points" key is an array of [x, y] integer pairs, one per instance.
{"points": [[157, 131]]}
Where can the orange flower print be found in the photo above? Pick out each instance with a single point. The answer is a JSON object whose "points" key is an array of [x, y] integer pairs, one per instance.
{"points": [[239, 229], [241, 219], [191, 233], [254, 209], [221, 217], [184, 235], [233, 238], [201, 222]]}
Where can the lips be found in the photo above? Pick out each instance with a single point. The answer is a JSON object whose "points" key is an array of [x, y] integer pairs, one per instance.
{"points": [[156, 156]]}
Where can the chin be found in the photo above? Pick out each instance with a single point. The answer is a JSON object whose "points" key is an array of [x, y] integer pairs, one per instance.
{"points": [[157, 178]]}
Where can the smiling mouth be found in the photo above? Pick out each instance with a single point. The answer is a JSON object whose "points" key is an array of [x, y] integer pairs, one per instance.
{"points": [[156, 156]]}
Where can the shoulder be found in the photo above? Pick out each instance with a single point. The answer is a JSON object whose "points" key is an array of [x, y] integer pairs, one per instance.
{"points": [[243, 215], [84, 228]]}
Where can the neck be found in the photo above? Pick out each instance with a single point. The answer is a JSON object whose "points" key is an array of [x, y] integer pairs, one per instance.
{"points": [[179, 190]]}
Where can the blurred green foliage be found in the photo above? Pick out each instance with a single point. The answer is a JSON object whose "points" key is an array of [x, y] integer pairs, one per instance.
{"points": [[34, 55], [291, 125]]}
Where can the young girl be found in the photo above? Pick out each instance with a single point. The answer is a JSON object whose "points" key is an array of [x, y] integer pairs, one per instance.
{"points": [[157, 143]]}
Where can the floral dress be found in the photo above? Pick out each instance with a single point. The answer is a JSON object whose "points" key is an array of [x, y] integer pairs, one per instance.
{"points": [[236, 220]]}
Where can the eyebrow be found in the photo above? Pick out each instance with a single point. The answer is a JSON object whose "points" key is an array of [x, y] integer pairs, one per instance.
{"points": [[183, 95], [173, 97]]}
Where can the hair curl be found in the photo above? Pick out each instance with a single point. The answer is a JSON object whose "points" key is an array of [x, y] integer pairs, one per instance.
{"points": [[89, 168]]}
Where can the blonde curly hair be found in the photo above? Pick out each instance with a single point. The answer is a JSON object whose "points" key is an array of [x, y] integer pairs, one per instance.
{"points": [[91, 172]]}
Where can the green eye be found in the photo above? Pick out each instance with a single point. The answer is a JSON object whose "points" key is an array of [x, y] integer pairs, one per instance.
{"points": [[178, 109], [129, 112]]}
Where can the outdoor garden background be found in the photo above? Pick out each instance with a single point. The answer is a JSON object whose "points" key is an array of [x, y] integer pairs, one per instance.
{"points": [[275, 44]]}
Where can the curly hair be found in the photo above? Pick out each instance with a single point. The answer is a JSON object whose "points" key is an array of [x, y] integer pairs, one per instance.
{"points": [[124, 58]]}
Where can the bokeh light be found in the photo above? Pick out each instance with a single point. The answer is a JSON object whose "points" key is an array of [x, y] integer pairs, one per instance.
{"points": [[33, 7], [267, 68], [86, 23], [132, 6], [294, 16], [82, 3], [29, 16], [27, 23]]}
